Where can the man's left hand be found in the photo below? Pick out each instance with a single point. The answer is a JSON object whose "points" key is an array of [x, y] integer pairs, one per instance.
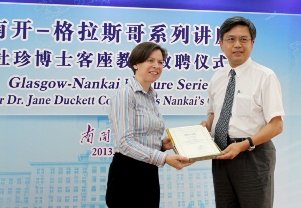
{"points": [[233, 150]]}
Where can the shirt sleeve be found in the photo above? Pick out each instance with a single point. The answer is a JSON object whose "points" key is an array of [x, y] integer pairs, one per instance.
{"points": [[210, 100], [123, 122], [272, 98]]}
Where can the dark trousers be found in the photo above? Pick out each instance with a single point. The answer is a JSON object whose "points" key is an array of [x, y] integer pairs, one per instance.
{"points": [[132, 184], [247, 181]]}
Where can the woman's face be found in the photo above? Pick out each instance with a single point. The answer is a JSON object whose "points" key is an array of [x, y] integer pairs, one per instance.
{"points": [[150, 70]]}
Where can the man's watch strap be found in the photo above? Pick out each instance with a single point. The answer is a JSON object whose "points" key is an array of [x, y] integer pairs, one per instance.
{"points": [[252, 146]]}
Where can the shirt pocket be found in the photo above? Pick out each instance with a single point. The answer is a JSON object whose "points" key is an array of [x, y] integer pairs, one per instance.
{"points": [[243, 105]]}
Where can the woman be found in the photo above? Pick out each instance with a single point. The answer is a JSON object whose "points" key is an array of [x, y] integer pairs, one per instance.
{"points": [[137, 128]]}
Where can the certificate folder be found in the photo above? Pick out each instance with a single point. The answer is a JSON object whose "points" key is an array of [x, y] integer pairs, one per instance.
{"points": [[193, 142]]}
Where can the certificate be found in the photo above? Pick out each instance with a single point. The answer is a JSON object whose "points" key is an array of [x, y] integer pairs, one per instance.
{"points": [[193, 142]]}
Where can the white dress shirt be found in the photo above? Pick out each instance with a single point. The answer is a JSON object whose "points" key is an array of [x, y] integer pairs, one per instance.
{"points": [[257, 98]]}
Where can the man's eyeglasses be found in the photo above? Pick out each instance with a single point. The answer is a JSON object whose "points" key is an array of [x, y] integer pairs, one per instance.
{"points": [[241, 40]]}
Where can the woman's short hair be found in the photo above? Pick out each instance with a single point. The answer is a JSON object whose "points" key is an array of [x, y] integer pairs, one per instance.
{"points": [[142, 52]]}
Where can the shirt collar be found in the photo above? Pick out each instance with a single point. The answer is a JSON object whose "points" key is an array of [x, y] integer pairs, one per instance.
{"points": [[137, 87], [241, 68]]}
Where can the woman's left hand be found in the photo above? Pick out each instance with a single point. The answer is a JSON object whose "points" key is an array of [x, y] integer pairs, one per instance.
{"points": [[166, 144]]}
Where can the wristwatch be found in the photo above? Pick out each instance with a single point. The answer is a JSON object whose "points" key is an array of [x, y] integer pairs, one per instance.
{"points": [[252, 146]]}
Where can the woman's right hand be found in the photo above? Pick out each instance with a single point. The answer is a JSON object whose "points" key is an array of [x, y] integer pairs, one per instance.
{"points": [[177, 161]]}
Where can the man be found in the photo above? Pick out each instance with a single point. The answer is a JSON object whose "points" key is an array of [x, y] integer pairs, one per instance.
{"points": [[243, 175]]}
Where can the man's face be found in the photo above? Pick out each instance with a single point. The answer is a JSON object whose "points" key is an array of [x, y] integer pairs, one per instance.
{"points": [[237, 45]]}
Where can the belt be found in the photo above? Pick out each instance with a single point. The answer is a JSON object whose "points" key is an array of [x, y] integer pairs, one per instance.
{"points": [[234, 140]]}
